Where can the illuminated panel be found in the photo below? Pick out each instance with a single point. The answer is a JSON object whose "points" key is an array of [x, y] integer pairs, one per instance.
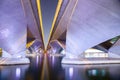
{"points": [[95, 53], [12, 27], [92, 23]]}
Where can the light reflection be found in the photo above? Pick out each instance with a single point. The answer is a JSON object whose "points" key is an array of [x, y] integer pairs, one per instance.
{"points": [[45, 70], [18, 72], [103, 73], [71, 72], [97, 72], [94, 72], [37, 60], [53, 60]]}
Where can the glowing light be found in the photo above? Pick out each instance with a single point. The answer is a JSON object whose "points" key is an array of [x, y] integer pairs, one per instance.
{"points": [[18, 72], [94, 72], [53, 60], [103, 72], [71, 72], [37, 60], [95, 53]]}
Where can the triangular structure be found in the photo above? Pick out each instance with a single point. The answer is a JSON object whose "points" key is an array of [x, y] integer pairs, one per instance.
{"points": [[75, 26], [115, 49], [58, 33], [30, 38], [58, 45], [12, 33], [33, 21], [12, 27], [91, 23], [57, 18], [62, 20], [105, 46]]}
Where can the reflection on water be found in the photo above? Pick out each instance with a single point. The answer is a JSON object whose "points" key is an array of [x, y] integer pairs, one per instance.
{"points": [[35, 68], [97, 73], [50, 68], [13, 72], [18, 72], [92, 72]]}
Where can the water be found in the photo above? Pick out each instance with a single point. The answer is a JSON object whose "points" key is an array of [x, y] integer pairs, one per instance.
{"points": [[50, 68]]}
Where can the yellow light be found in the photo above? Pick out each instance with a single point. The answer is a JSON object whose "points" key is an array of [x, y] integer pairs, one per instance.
{"points": [[29, 44], [40, 19]]}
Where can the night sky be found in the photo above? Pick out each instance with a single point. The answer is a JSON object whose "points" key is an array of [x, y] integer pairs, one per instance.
{"points": [[48, 8]]}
